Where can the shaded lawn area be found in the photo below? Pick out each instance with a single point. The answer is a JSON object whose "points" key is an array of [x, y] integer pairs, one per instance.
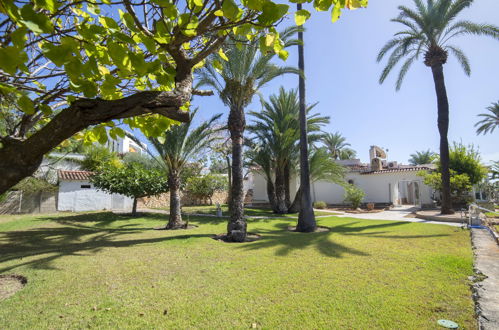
{"points": [[110, 271], [248, 211]]}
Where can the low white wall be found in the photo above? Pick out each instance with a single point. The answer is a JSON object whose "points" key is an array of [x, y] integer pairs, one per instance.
{"points": [[379, 188], [72, 197]]}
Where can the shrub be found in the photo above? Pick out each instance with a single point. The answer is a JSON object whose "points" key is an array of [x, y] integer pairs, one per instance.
{"points": [[320, 205], [204, 187], [354, 196]]}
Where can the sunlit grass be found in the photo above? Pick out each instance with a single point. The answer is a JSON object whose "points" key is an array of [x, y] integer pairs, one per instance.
{"points": [[103, 270]]}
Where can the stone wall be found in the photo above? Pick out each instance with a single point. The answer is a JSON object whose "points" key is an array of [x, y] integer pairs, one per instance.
{"points": [[163, 200], [39, 202]]}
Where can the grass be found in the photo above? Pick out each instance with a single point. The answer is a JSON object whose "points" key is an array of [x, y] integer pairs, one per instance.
{"points": [[494, 215], [108, 271], [248, 211]]}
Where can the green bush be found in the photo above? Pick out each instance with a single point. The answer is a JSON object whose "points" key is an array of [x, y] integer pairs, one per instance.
{"points": [[203, 187], [320, 205], [354, 196]]}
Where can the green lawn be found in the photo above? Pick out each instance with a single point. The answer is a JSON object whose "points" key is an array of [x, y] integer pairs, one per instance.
{"points": [[108, 271], [248, 211], [492, 215]]}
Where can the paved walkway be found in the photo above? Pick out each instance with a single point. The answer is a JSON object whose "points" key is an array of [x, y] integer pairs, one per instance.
{"points": [[394, 214], [487, 291]]}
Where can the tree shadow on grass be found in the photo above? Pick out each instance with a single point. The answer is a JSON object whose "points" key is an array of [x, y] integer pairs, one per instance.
{"points": [[74, 239], [103, 218], [324, 242]]}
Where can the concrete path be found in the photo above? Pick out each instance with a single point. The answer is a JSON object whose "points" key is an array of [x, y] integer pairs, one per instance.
{"points": [[394, 214], [487, 291]]}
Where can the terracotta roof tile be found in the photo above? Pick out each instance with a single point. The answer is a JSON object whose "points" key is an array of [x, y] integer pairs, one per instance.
{"points": [[74, 175], [404, 169]]}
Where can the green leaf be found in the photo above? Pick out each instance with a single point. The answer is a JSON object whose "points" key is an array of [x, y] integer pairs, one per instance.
{"points": [[222, 54], [170, 11], [188, 24], [36, 22], [231, 10], [301, 16], [322, 5], [335, 13], [12, 58], [59, 55], [271, 13], [26, 105], [19, 37]]}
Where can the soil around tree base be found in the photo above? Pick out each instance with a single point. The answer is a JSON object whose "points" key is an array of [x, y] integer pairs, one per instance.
{"points": [[10, 284], [250, 237], [177, 228], [318, 229]]}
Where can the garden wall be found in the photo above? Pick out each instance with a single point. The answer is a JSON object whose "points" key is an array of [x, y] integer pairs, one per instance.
{"points": [[163, 200], [39, 202]]}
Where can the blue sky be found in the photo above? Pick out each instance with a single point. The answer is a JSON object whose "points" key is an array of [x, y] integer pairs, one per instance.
{"points": [[342, 75]]}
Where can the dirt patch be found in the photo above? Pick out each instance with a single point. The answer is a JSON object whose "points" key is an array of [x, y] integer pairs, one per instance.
{"points": [[10, 284], [319, 229], [184, 227], [250, 237]]}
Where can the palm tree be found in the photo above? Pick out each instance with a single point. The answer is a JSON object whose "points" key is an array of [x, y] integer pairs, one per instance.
{"points": [[176, 147], [236, 82], [429, 29], [494, 170], [490, 120], [306, 217], [277, 127], [336, 144], [422, 157], [348, 153]]}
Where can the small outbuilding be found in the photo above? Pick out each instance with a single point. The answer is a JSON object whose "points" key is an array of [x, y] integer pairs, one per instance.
{"points": [[78, 194]]}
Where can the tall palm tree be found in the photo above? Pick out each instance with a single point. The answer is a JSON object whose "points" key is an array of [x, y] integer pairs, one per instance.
{"points": [[176, 147], [336, 144], [306, 217], [347, 153], [277, 127], [490, 121], [494, 170], [236, 82], [429, 30], [422, 157]]}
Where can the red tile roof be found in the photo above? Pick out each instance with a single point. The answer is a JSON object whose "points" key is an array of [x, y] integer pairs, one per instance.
{"points": [[74, 175], [403, 169]]}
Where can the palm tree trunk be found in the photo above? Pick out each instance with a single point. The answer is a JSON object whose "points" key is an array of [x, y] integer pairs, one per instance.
{"points": [[306, 217], [287, 188], [295, 206], [175, 220], [236, 228], [271, 193], [443, 128], [229, 175], [280, 191]]}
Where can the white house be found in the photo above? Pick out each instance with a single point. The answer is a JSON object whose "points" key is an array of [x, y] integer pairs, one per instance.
{"points": [[383, 182], [124, 145], [78, 194]]}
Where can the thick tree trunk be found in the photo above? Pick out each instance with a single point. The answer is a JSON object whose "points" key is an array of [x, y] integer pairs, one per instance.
{"points": [[175, 220], [280, 191], [306, 217], [295, 206], [236, 228], [134, 207], [287, 183], [271, 194], [229, 175], [21, 158], [443, 128]]}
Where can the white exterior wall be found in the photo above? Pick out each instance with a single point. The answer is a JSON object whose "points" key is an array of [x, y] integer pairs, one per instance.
{"points": [[378, 188], [76, 199]]}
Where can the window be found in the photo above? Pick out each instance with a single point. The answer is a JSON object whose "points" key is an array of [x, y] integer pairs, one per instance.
{"points": [[85, 186]]}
